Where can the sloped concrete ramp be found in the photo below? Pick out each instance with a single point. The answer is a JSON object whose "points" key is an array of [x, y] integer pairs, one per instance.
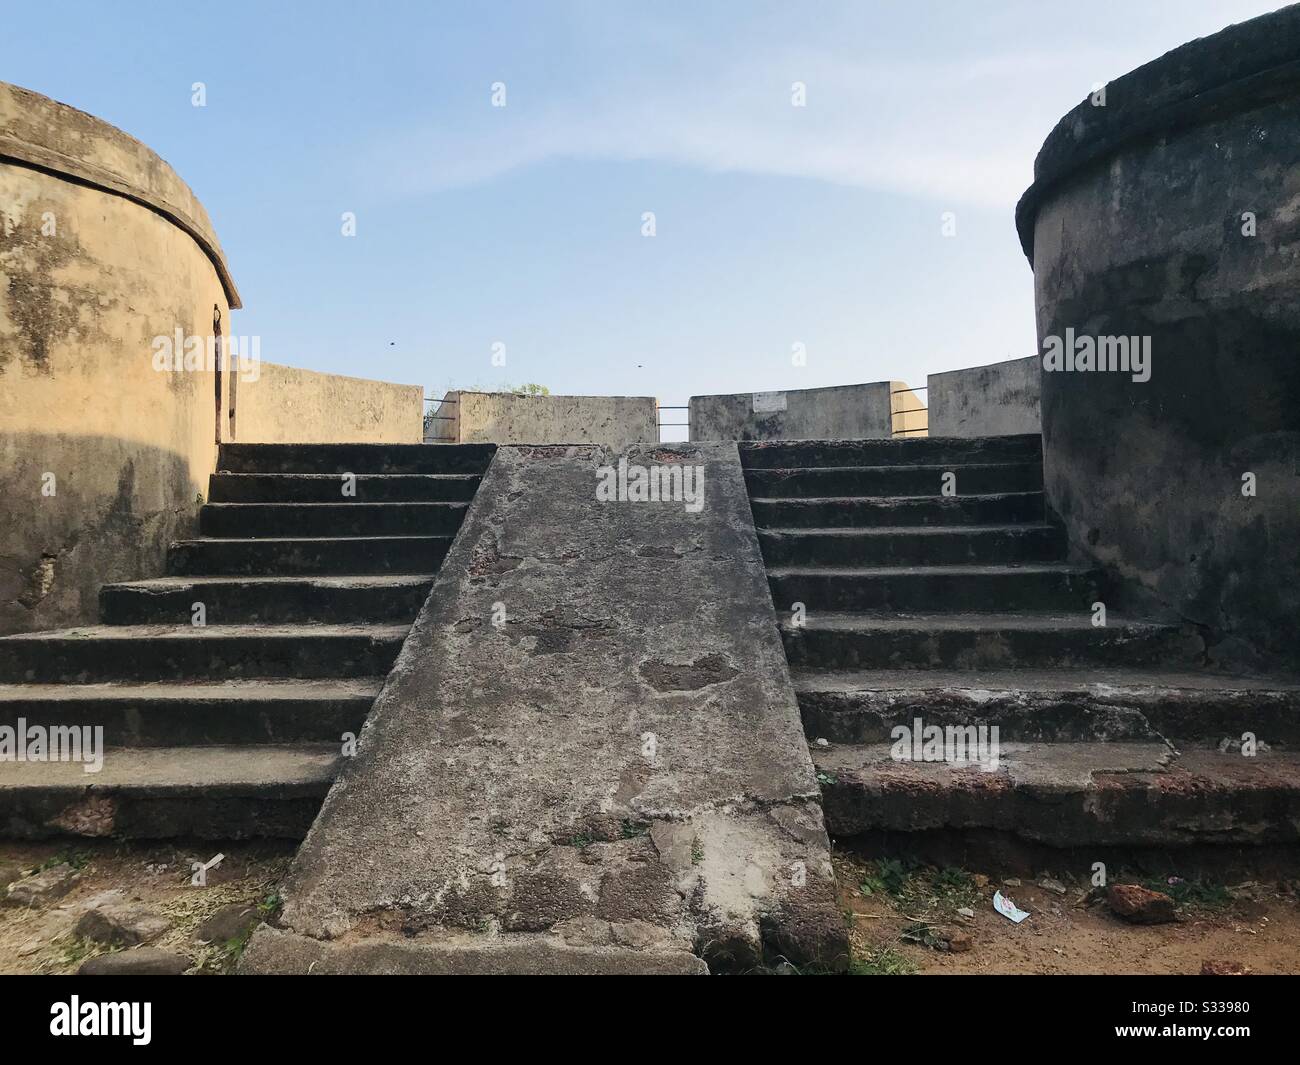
{"points": [[588, 756]]}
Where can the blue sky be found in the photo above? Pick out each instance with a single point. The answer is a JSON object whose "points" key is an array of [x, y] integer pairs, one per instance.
{"points": [[775, 225]]}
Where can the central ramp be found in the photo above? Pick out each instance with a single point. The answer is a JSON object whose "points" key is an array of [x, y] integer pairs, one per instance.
{"points": [[588, 756]]}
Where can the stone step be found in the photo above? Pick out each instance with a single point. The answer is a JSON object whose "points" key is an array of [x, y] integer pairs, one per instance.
{"points": [[875, 511], [328, 488], [216, 793], [331, 519], [968, 641], [911, 480], [924, 544], [1036, 586], [354, 458], [333, 555], [274, 952], [197, 713], [898, 452], [269, 600], [862, 706], [1069, 794], [215, 652]]}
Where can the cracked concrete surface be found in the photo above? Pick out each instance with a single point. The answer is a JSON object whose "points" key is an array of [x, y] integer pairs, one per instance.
{"points": [[588, 756]]}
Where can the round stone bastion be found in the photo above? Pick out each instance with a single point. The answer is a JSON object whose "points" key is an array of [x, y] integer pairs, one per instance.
{"points": [[103, 250], [1163, 227]]}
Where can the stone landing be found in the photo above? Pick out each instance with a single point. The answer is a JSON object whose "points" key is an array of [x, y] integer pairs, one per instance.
{"points": [[588, 756]]}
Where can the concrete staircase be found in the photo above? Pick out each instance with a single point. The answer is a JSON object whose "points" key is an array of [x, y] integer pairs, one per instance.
{"points": [[962, 610], [234, 728], [572, 768]]}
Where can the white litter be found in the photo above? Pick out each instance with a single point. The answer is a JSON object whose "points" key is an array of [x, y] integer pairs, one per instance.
{"points": [[1008, 908]]}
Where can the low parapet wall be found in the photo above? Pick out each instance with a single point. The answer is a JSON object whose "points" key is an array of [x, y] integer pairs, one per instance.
{"points": [[282, 404], [506, 418], [841, 412], [1000, 399]]}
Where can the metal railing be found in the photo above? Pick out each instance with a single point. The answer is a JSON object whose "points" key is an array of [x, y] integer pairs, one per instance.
{"points": [[910, 410], [431, 419], [660, 408]]}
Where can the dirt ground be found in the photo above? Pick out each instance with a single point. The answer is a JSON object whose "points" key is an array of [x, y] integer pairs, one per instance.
{"points": [[158, 876], [902, 914], [902, 910]]}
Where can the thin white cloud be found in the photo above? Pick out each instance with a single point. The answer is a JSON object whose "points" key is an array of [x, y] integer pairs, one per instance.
{"points": [[937, 131], [956, 129]]}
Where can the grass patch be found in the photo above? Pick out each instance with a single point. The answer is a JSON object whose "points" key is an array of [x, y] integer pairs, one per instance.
{"points": [[1191, 894], [881, 961], [955, 888], [919, 889], [75, 950], [923, 935], [233, 949], [76, 859], [270, 906], [885, 877]]}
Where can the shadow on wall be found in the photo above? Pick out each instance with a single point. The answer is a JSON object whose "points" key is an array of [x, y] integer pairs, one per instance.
{"points": [[1186, 489], [840, 412], [1165, 223], [510, 418], [999, 399], [88, 510]]}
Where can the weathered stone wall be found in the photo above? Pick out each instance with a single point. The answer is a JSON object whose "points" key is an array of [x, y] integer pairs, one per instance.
{"points": [[842, 412], [1173, 213], [282, 404], [102, 249], [1000, 399], [506, 418]]}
